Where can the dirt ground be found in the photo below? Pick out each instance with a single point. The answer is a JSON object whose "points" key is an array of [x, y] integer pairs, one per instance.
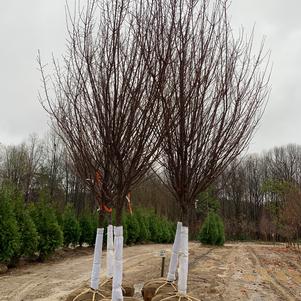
{"points": [[242, 271]]}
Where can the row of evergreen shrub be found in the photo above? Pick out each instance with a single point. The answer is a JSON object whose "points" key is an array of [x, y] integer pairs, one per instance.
{"points": [[38, 230], [140, 227], [26, 231], [144, 225]]}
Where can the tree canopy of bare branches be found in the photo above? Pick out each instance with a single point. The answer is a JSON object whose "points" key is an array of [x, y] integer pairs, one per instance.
{"points": [[213, 98], [105, 103]]}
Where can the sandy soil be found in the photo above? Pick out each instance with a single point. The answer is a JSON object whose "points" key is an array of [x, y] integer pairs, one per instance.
{"points": [[240, 271]]}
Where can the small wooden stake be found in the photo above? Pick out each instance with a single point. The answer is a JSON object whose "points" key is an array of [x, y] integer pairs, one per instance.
{"points": [[162, 266]]}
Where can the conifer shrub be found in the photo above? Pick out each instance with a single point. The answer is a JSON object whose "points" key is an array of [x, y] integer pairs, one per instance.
{"points": [[9, 232], [212, 230], [29, 237], [165, 232], [209, 232], [221, 231], [154, 227], [86, 230], [29, 234], [144, 233], [71, 228], [59, 217], [50, 233], [132, 228]]}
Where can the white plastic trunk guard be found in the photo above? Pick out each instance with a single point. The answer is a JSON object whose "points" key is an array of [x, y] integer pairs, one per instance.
{"points": [[118, 264], [110, 252], [183, 262], [95, 275], [171, 276]]}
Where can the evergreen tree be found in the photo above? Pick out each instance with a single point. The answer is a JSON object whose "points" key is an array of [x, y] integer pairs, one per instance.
{"points": [[144, 234], [154, 227], [29, 234], [207, 202], [29, 237], [86, 230], [71, 228], [133, 229], [211, 232], [50, 233], [221, 231], [9, 232], [165, 234]]}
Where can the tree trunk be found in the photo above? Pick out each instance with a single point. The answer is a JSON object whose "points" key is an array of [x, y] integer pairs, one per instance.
{"points": [[101, 213], [119, 207], [185, 215], [101, 219]]}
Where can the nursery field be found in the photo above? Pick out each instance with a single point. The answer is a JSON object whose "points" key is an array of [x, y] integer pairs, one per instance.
{"points": [[242, 271]]}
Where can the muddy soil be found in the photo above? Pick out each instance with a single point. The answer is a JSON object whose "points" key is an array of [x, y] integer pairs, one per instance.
{"points": [[241, 271]]}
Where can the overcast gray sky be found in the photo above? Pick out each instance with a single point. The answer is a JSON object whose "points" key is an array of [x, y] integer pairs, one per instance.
{"points": [[26, 26]]}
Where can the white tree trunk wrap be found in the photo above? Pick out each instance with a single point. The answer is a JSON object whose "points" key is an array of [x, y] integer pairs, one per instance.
{"points": [[118, 264], [95, 275], [183, 262], [110, 252], [171, 276]]}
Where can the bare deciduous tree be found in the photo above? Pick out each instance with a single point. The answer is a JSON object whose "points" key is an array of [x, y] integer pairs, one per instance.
{"points": [[106, 105], [21, 165], [214, 96]]}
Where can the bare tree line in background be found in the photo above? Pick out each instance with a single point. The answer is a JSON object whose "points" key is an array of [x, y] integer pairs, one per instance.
{"points": [[258, 197], [43, 166]]}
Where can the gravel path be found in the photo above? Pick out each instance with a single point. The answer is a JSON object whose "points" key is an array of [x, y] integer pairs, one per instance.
{"points": [[242, 271]]}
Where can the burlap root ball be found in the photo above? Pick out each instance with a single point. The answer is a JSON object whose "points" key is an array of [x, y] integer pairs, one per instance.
{"points": [[157, 286], [128, 289], [124, 299], [86, 294], [173, 297]]}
